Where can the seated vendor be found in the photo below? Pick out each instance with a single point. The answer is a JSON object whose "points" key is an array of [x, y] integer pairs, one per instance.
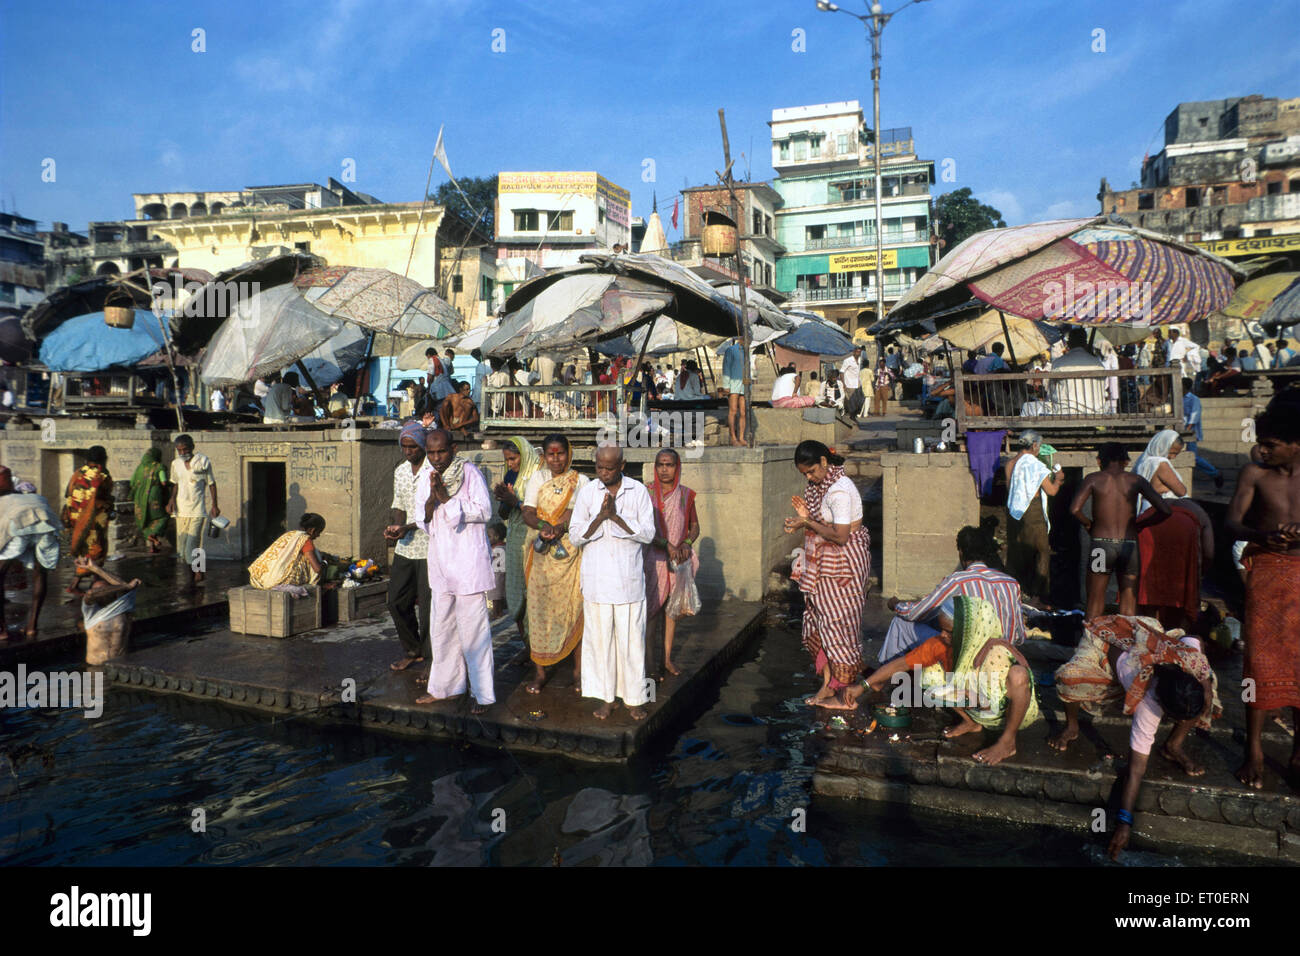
{"points": [[292, 560], [1156, 674], [980, 576]]}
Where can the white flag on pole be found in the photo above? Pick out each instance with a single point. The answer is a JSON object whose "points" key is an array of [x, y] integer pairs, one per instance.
{"points": [[440, 154]]}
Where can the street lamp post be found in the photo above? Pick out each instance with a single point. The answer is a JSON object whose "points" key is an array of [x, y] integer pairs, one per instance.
{"points": [[875, 23]]}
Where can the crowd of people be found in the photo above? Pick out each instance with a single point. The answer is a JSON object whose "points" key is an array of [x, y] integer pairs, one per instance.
{"points": [[595, 571]]}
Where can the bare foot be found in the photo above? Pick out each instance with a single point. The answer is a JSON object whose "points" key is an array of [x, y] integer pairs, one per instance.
{"points": [[535, 685], [1062, 740], [670, 668], [999, 752], [1186, 763], [405, 662], [1251, 773], [603, 711], [965, 727], [636, 713], [427, 699], [816, 699], [838, 702]]}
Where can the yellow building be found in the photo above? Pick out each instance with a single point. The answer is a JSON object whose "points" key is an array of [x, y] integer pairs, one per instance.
{"points": [[340, 226]]}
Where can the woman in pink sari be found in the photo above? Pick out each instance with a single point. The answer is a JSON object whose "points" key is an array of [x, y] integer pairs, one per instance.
{"points": [[671, 555]]}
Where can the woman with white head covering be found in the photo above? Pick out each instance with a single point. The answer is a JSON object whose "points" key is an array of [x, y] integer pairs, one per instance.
{"points": [[1109, 359], [1029, 485], [1156, 466]]}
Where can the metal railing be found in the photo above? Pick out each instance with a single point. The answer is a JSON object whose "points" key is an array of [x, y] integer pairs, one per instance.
{"points": [[1143, 397], [537, 406], [847, 293]]}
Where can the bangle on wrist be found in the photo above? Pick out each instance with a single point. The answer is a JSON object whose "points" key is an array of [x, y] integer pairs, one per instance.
{"points": [[1124, 816]]}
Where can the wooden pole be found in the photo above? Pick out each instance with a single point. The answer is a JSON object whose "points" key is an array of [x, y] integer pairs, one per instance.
{"points": [[1006, 333], [729, 181], [167, 349]]}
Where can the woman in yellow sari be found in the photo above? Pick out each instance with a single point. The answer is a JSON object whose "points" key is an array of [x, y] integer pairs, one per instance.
{"points": [[292, 559], [552, 564]]}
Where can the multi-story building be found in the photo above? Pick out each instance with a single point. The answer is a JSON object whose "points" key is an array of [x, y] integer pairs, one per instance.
{"points": [[22, 271], [545, 220], [1227, 178], [755, 215], [827, 220]]}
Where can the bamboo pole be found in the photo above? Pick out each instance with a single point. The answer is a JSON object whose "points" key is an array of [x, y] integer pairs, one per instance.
{"points": [[729, 181]]}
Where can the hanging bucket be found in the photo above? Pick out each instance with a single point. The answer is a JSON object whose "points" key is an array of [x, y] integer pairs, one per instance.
{"points": [[120, 316], [719, 234]]}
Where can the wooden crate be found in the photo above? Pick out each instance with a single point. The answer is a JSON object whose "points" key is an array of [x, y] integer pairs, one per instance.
{"points": [[364, 600], [273, 613]]}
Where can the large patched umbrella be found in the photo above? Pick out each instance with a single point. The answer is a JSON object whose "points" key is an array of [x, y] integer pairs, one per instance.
{"points": [[1093, 272]]}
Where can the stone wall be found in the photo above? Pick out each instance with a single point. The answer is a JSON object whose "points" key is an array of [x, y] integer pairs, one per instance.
{"points": [[347, 477]]}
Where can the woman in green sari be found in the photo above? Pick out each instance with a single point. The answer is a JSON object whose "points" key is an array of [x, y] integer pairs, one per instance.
{"points": [[149, 491], [521, 462]]}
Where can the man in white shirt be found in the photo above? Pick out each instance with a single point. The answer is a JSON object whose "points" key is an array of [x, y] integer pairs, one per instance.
{"points": [[613, 520], [851, 375], [1083, 396], [277, 404], [218, 400], [545, 368], [260, 388], [1184, 353], [192, 478], [452, 506], [831, 393]]}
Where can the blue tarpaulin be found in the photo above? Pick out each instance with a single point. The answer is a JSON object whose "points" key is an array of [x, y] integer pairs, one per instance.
{"points": [[817, 338], [87, 344]]}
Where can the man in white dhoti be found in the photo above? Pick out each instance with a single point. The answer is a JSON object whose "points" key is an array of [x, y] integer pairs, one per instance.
{"points": [[453, 507], [613, 520]]}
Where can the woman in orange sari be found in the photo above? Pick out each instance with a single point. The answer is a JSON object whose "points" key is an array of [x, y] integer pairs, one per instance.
{"points": [[552, 563], [87, 507], [676, 528]]}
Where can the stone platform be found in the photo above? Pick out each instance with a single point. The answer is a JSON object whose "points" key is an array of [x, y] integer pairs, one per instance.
{"points": [[1041, 786], [305, 676], [165, 601]]}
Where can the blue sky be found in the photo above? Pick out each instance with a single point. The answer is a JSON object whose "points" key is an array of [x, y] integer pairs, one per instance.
{"points": [[286, 92]]}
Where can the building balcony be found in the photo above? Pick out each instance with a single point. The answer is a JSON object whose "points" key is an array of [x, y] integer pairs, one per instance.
{"points": [[893, 292], [861, 240]]}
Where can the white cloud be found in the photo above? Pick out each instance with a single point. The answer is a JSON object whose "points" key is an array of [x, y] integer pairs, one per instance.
{"points": [[1068, 209], [1006, 203]]}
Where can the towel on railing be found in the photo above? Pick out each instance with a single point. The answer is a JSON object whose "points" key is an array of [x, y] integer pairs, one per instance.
{"points": [[984, 450]]}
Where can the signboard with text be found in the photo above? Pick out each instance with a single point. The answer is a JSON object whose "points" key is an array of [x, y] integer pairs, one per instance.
{"points": [[861, 261], [1254, 246]]}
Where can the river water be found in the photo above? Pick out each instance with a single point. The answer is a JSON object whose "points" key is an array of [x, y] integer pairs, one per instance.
{"points": [[734, 788]]}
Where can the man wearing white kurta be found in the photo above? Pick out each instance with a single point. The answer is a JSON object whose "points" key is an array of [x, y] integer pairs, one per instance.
{"points": [[613, 520], [453, 507]]}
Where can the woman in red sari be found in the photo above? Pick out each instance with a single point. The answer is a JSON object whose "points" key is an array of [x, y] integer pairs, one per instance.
{"points": [[671, 554], [832, 571], [86, 510]]}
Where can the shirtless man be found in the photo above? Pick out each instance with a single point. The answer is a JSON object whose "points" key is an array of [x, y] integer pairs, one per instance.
{"points": [[458, 411], [1269, 492], [1113, 546]]}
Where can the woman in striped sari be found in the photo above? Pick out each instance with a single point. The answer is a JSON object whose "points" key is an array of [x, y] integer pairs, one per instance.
{"points": [[552, 564], [832, 571], [292, 559], [86, 510]]}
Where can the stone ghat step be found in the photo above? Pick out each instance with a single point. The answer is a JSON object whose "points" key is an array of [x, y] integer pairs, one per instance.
{"points": [[305, 676], [1040, 786]]}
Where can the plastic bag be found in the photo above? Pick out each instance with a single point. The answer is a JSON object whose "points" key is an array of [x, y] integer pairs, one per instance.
{"points": [[684, 598]]}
